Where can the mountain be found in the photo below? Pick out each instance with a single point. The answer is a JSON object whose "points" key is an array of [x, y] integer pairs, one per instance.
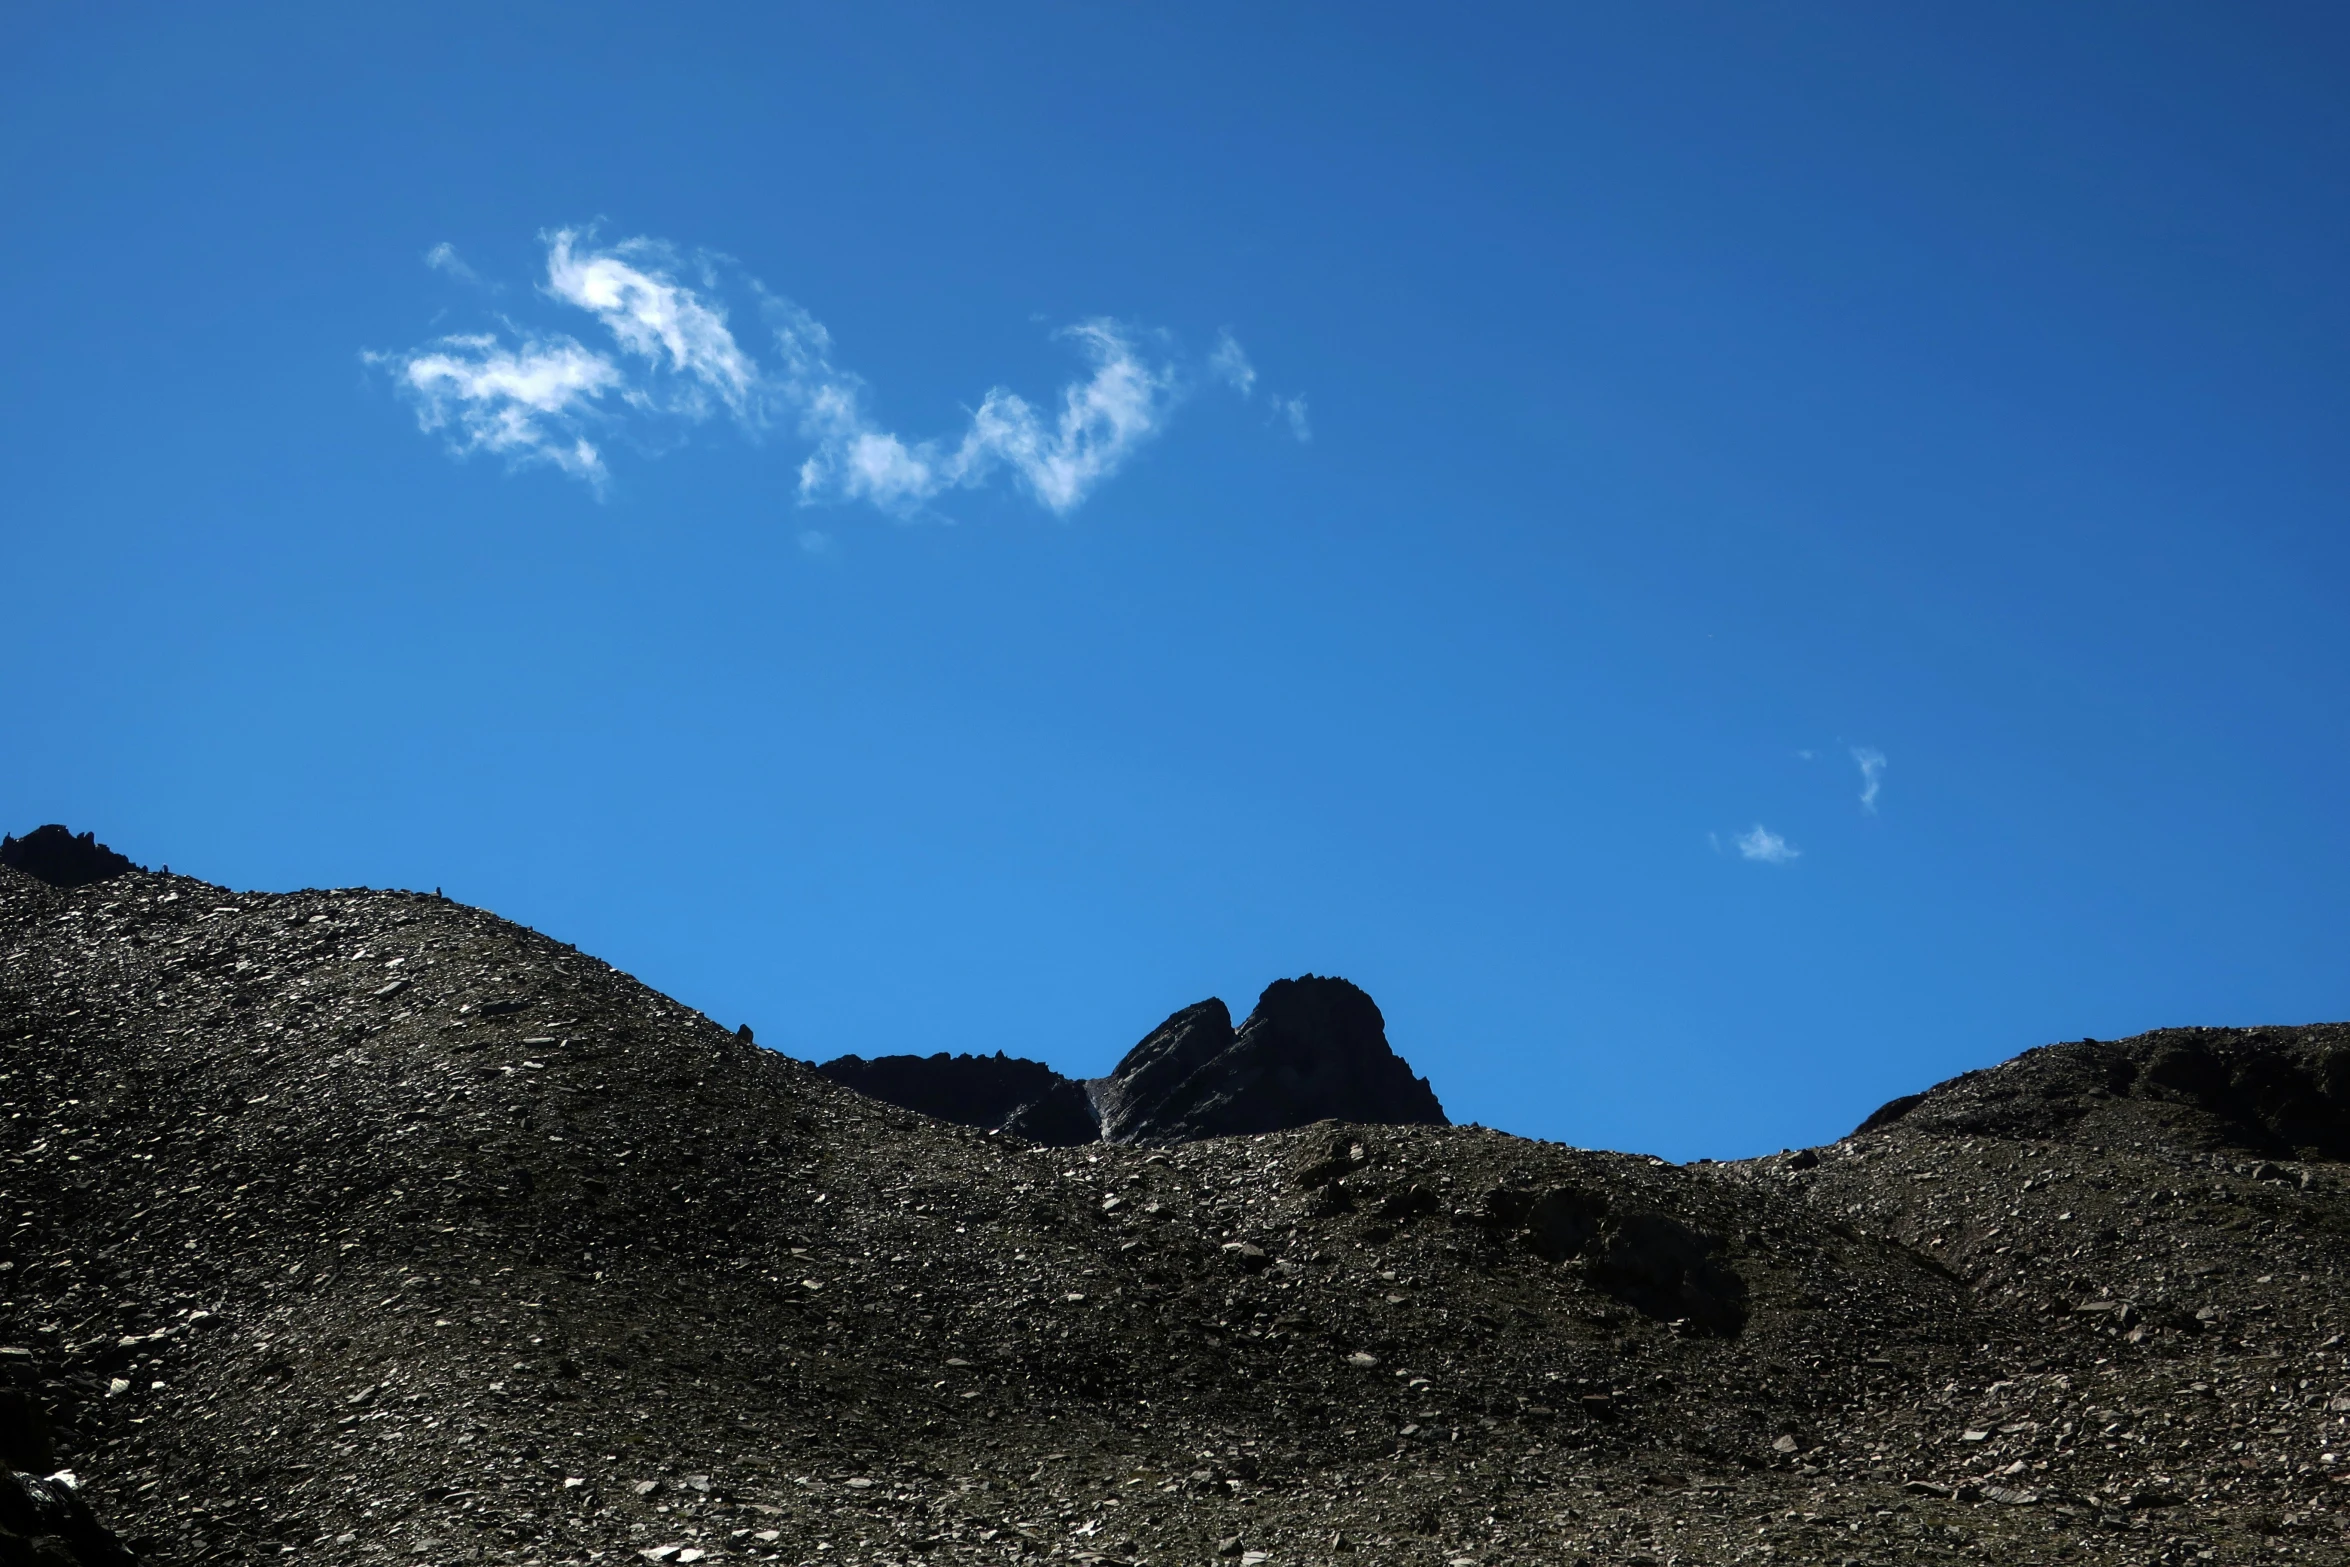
{"points": [[1314, 1049], [353, 1226]]}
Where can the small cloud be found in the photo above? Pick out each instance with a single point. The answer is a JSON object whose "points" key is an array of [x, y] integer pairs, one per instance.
{"points": [[527, 404], [1871, 762], [815, 541], [1229, 364], [1059, 458], [1805, 755], [1760, 843], [443, 257], [631, 289], [1293, 409]]}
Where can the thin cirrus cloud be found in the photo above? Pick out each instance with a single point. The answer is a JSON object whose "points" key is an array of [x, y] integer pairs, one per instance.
{"points": [[1871, 763], [690, 356], [531, 402], [1229, 363], [675, 361], [1760, 844], [443, 257], [1058, 456]]}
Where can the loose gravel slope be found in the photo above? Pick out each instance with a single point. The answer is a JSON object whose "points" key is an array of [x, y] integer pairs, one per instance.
{"points": [[354, 1226]]}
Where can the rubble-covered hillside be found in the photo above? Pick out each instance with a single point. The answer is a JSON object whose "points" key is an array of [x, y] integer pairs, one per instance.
{"points": [[351, 1226]]}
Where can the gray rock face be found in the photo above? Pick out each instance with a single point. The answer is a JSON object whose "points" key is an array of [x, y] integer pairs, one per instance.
{"points": [[1000, 1092], [1314, 1049]]}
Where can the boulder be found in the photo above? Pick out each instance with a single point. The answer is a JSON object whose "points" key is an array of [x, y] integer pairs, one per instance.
{"points": [[1653, 1262]]}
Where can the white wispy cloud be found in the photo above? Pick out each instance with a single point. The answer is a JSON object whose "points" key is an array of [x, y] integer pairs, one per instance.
{"points": [[1760, 843], [1059, 458], [678, 360], [633, 291], [1293, 412], [1229, 364], [1871, 762], [531, 403], [443, 257]]}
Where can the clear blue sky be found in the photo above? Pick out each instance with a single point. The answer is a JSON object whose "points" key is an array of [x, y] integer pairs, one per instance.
{"points": [[938, 527]]}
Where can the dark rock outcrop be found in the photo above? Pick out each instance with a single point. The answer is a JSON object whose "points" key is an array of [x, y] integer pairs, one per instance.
{"points": [[1651, 1261], [2282, 1092], [44, 1524], [25, 1441], [999, 1092], [1314, 1049], [54, 855]]}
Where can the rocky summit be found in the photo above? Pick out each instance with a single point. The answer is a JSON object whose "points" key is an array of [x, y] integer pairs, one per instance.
{"points": [[54, 855], [351, 1226], [1314, 1049]]}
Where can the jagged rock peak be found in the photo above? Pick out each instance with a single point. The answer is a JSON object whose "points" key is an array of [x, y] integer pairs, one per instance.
{"points": [[1002, 1093], [54, 855], [1315, 1048]]}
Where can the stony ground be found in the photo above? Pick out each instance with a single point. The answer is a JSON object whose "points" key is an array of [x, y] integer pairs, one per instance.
{"points": [[357, 1226]]}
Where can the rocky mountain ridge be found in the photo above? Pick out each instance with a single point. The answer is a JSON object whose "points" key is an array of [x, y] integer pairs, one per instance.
{"points": [[1315, 1049], [361, 1226]]}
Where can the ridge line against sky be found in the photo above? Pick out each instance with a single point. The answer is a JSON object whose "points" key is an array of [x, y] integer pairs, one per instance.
{"points": [[544, 398]]}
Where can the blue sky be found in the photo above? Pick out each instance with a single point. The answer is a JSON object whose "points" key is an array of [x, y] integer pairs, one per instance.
{"points": [[927, 527]]}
